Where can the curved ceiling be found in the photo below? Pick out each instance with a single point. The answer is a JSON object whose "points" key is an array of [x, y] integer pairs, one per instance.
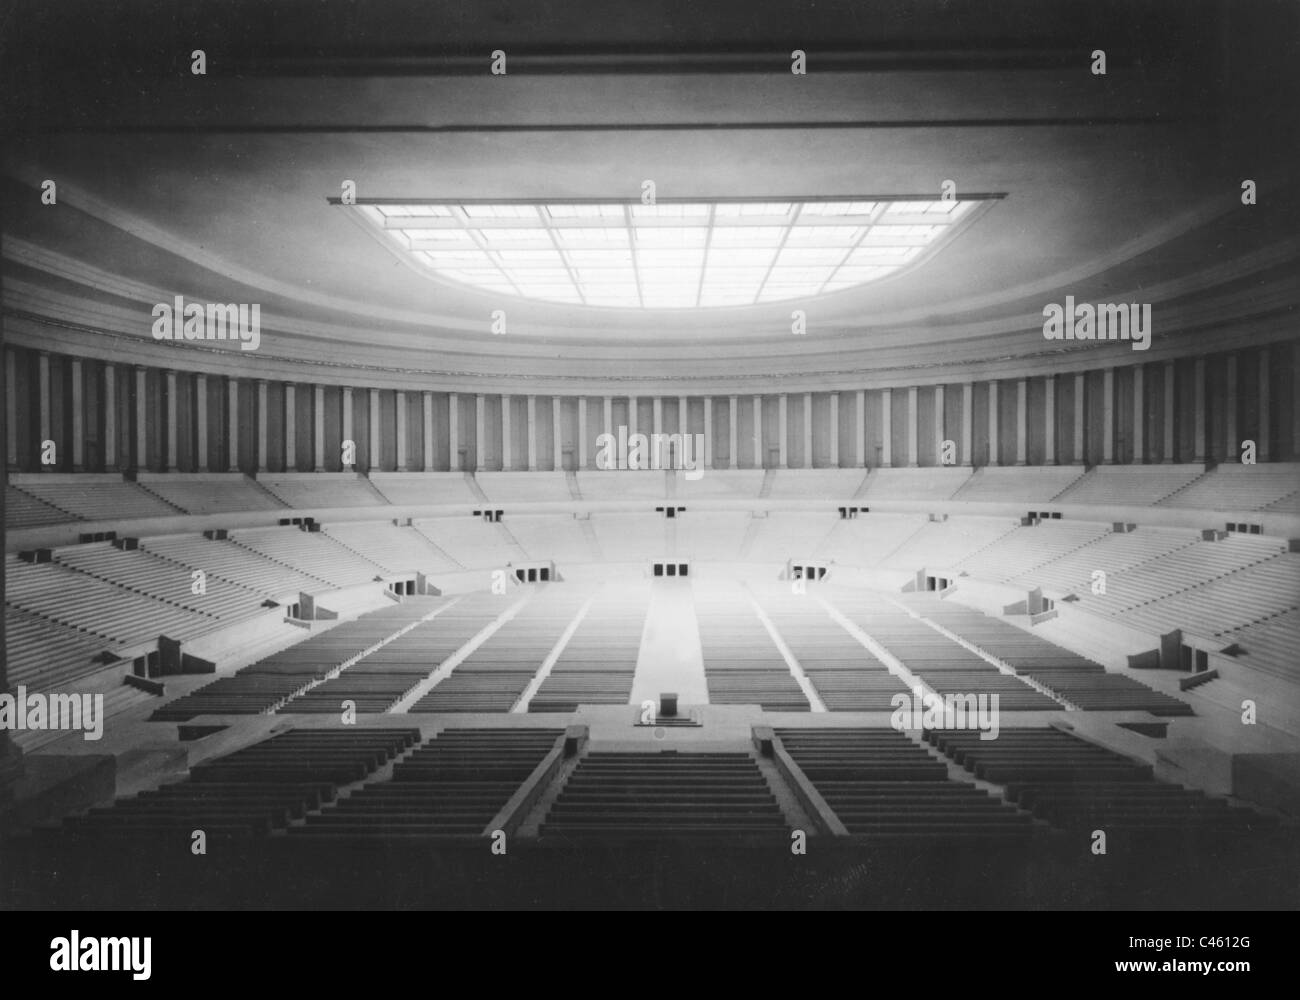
{"points": [[220, 187]]}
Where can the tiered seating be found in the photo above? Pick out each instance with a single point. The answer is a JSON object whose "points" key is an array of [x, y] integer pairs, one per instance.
{"points": [[742, 666], [382, 677], [451, 786], [22, 510], [1112, 553], [631, 537], [816, 484], [311, 490], [1020, 551], [714, 537], [265, 685], [1079, 681], [209, 492], [1232, 487], [524, 487], [598, 663], [1289, 504], [93, 496], [235, 563], [394, 549], [666, 794], [43, 654], [551, 536], [1179, 571], [622, 484], [310, 552], [140, 571], [913, 484], [1081, 786], [845, 675], [251, 791], [1270, 645], [1257, 592], [941, 544], [868, 539], [409, 489], [1130, 485], [97, 607], [946, 666], [1018, 484], [784, 535], [470, 541], [881, 784], [492, 677]]}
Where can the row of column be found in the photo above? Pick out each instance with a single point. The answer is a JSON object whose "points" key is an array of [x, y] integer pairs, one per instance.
{"points": [[886, 457]]}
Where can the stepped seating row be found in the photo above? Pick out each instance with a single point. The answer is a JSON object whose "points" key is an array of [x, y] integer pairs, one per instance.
{"points": [[210, 493], [845, 675], [548, 536], [638, 795], [742, 666], [1232, 487], [235, 563], [1075, 679], [22, 510], [393, 548], [1130, 485], [415, 488], [630, 537], [1270, 645], [1018, 484], [309, 552], [145, 573], [43, 654], [1111, 553], [92, 497], [1019, 551], [786, 535], [451, 786], [710, 536], [494, 676], [83, 602], [868, 540], [321, 490], [468, 541], [251, 791], [881, 784], [940, 544], [598, 663], [1078, 785]]}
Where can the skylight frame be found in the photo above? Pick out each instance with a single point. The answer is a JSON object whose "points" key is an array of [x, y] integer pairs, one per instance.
{"points": [[905, 240]]}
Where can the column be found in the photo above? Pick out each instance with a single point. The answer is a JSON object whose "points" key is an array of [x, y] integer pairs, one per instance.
{"points": [[11, 406], [886, 428], [707, 457], [1168, 455], [631, 416], [262, 420], [532, 432], [557, 435], [318, 428], [348, 431], [994, 450], [142, 421], [758, 432], [657, 416], [43, 388], [201, 421], [1022, 421], [453, 432], [78, 418], [938, 425], [1108, 416], [913, 418], [426, 399], [1231, 441], [110, 420], [1198, 409], [1049, 412], [1139, 416], [732, 432], [1264, 442], [374, 428], [232, 420], [399, 402], [480, 430], [967, 423], [860, 414], [807, 431], [290, 427], [506, 457], [609, 415], [782, 423], [171, 423], [1079, 458], [581, 446], [835, 430]]}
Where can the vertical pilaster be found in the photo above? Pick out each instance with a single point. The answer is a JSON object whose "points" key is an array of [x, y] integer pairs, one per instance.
{"points": [[79, 418]]}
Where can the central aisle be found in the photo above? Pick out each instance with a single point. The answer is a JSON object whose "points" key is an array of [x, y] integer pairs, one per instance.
{"points": [[671, 658]]}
